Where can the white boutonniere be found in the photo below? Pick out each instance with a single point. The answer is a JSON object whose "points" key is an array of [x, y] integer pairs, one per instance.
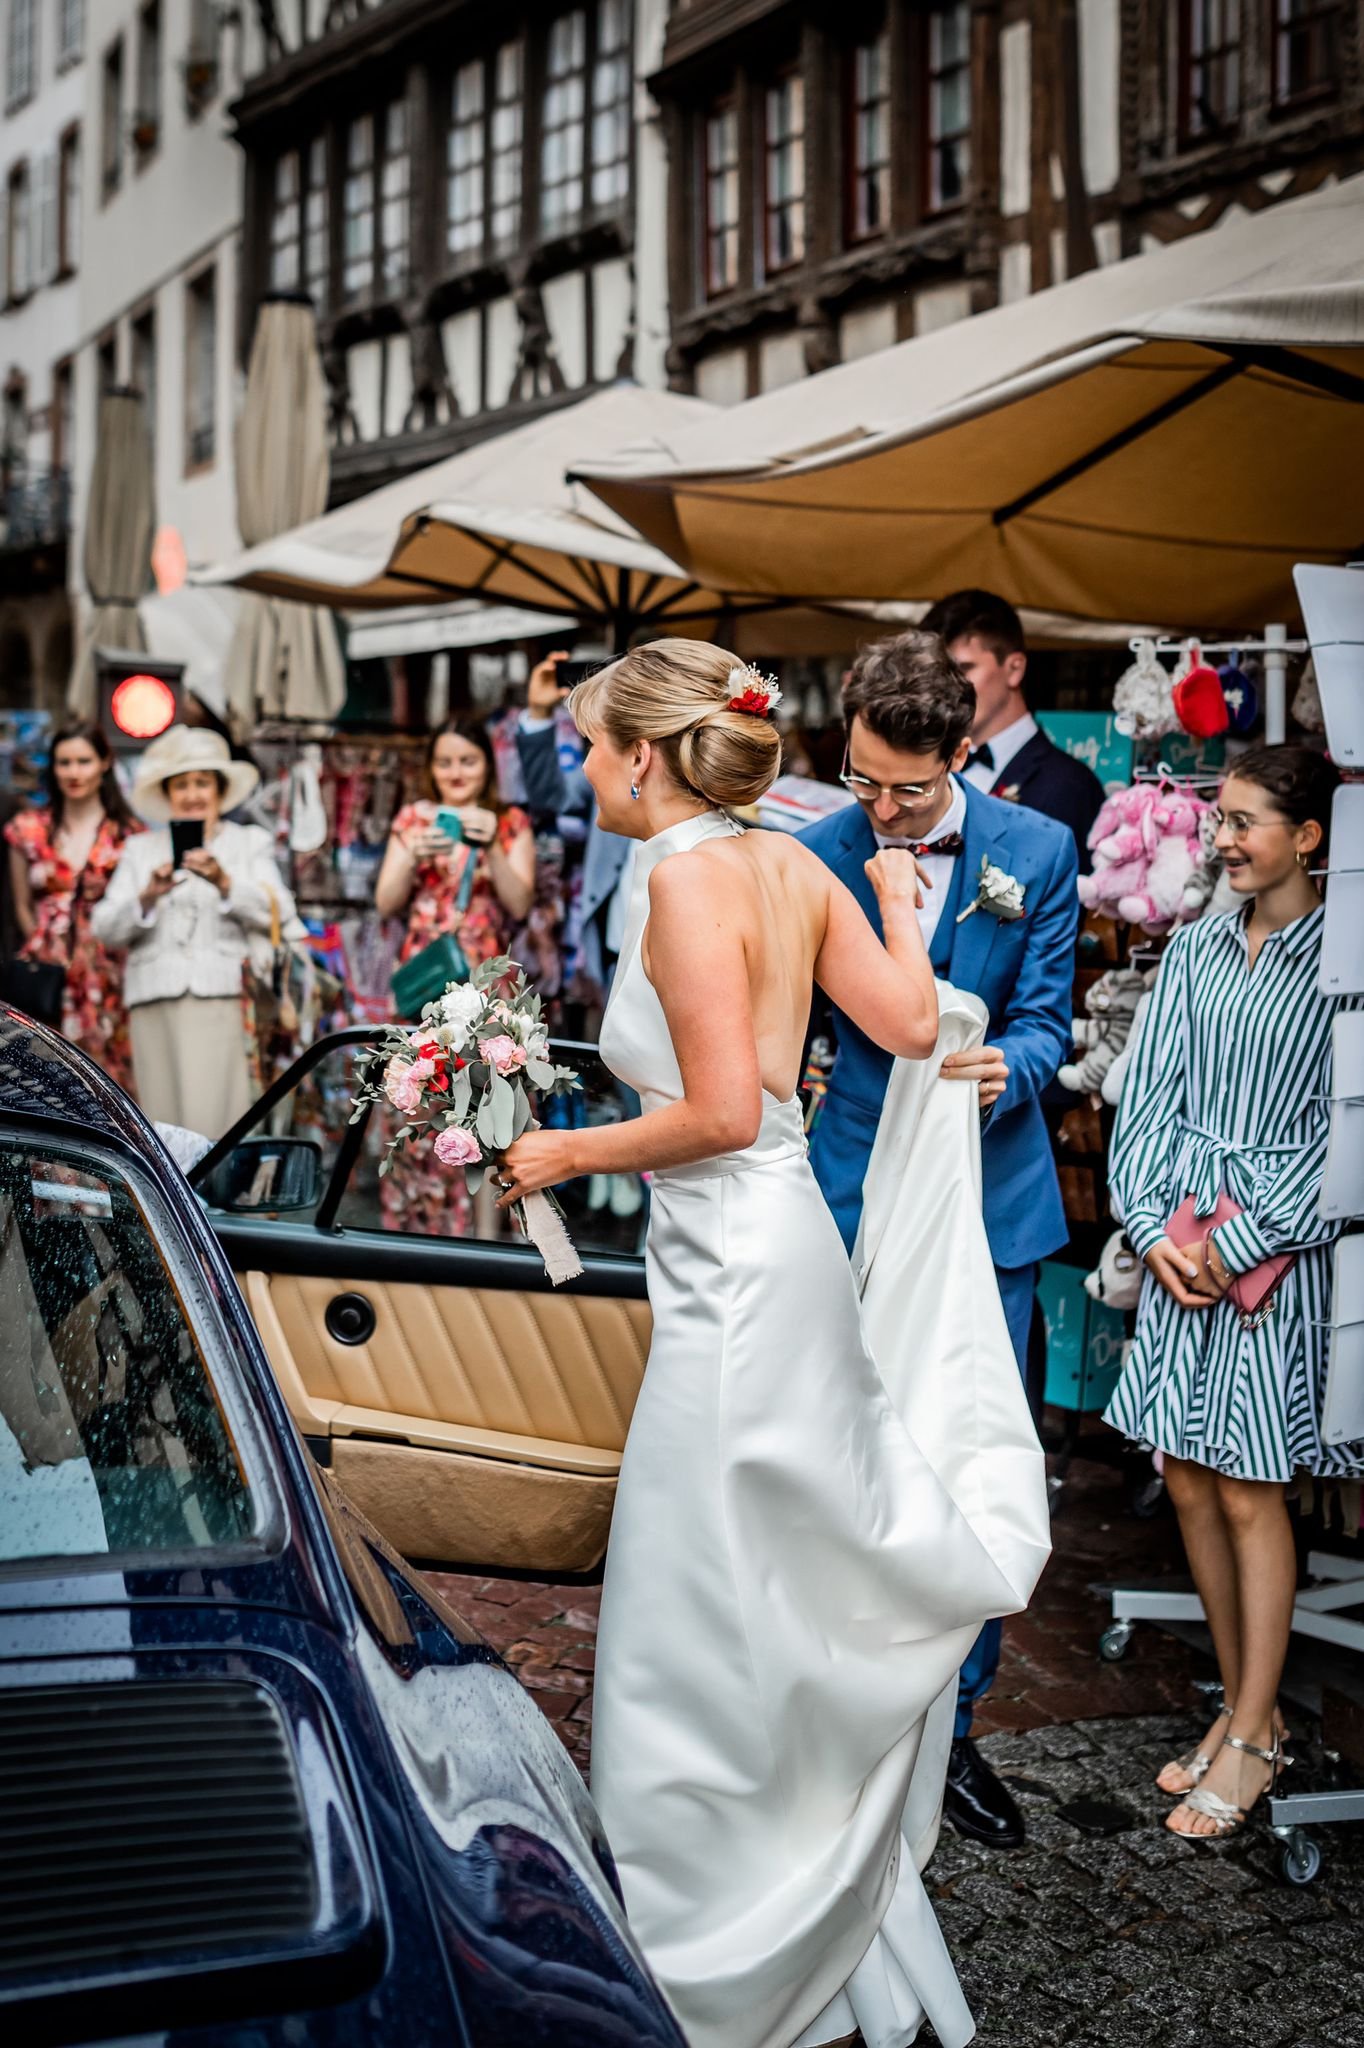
{"points": [[1011, 794], [1000, 894]]}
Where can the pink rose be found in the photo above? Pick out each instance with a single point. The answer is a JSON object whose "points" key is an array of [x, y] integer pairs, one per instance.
{"points": [[503, 1053], [457, 1147], [403, 1083]]}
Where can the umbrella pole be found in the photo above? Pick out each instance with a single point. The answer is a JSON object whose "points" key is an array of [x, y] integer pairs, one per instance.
{"points": [[1276, 685]]}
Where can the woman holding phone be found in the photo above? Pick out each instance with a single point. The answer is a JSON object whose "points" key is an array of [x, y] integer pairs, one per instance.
{"points": [[187, 899], [433, 841], [426, 874]]}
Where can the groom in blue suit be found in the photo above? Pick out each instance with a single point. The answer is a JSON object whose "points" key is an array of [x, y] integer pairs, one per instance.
{"points": [[909, 711]]}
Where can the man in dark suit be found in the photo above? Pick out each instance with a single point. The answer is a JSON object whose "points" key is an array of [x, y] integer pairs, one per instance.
{"points": [[909, 713], [1011, 756]]}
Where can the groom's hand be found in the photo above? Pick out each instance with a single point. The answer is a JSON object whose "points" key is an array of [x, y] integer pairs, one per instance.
{"points": [[984, 1064]]}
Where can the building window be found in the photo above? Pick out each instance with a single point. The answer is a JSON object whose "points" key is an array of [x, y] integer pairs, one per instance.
{"points": [[21, 55], [19, 227], [70, 31], [69, 203], [562, 121], [612, 88], [106, 361], [144, 368], [111, 121], [869, 139], [483, 155], [949, 104], [357, 273], [147, 112], [1306, 49], [784, 181], [395, 220], [63, 413], [316, 223], [201, 55], [201, 369], [722, 198], [466, 162], [1209, 67], [285, 218]]}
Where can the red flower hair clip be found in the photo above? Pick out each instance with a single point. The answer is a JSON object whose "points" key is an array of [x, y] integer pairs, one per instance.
{"points": [[751, 691]]}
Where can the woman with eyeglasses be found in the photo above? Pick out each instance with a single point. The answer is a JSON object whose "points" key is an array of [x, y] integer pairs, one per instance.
{"points": [[1227, 1098]]}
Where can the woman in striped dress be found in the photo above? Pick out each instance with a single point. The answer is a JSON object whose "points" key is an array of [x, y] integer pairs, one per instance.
{"points": [[1227, 1093]]}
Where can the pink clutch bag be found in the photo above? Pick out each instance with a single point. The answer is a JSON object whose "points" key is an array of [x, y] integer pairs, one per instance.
{"points": [[1253, 1293]]}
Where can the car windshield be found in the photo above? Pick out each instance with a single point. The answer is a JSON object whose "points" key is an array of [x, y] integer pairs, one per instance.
{"points": [[112, 1439]]}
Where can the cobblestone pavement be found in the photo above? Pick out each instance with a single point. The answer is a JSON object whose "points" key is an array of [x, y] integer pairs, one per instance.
{"points": [[1133, 1940]]}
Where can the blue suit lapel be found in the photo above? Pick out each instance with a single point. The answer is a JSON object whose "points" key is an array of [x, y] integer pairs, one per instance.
{"points": [[945, 930], [973, 938]]}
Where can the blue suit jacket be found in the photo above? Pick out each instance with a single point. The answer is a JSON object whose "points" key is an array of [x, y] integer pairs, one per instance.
{"points": [[1022, 971]]}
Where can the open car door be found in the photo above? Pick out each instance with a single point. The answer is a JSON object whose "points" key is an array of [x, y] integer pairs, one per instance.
{"points": [[474, 1413]]}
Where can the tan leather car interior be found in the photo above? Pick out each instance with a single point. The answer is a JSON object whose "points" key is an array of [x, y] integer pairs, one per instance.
{"points": [[475, 1426]]}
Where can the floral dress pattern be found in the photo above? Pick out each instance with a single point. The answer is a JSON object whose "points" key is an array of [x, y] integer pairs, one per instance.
{"points": [[93, 1012], [417, 1195]]}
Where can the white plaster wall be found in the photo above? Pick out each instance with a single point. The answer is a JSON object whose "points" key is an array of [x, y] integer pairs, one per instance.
{"points": [[781, 360], [365, 369], [1015, 272], [649, 283], [566, 313], [397, 382], [940, 306], [463, 339], [503, 344], [723, 377], [866, 329], [1099, 30], [1107, 242], [614, 288], [1015, 117]]}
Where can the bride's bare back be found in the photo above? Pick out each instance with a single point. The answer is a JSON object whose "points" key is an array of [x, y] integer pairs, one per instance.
{"points": [[769, 910]]}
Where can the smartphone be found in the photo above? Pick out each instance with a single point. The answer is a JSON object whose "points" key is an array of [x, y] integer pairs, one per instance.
{"points": [[568, 674], [448, 822], [185, 833]]}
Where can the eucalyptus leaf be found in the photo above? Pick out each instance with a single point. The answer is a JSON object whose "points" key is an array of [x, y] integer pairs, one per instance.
{"points": [[504, 1112], [461, 1094], [484, 1124], [475, 1177], [522, 1116], [540, 1073]]}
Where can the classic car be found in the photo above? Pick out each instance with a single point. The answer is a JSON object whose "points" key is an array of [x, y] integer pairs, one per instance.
{"points": [[257, 1781]]}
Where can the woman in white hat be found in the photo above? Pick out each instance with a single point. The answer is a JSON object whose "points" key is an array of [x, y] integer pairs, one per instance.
{"points": [[188, 930]]}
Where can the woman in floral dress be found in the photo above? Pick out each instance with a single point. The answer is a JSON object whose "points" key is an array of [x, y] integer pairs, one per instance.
{"points": [[61, 860], [421, 874]]}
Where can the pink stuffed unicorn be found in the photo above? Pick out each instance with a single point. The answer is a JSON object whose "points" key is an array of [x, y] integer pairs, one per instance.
{"points": [[1145, 843]]}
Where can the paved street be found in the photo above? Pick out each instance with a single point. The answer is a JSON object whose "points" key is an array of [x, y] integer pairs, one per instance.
{"points": [[1133, 1940]]}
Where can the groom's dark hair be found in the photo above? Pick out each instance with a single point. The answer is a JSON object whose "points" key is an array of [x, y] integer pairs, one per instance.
{"points": [[911, 693]]}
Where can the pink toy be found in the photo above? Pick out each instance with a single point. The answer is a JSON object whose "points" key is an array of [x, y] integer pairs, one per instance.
{"points": [[1145, 843]]}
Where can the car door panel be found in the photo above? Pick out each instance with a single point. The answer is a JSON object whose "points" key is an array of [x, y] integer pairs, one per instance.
{"points": [[473, 1413]]}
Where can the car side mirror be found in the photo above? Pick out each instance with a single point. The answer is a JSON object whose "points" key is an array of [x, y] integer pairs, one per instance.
{"points": [[266, 1176]]}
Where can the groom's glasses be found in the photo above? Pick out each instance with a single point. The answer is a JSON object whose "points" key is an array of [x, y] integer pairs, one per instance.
{"points": [[910, 796]]}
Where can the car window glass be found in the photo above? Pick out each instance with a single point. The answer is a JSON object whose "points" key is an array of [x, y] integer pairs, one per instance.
{"points": [[112, 1439]]}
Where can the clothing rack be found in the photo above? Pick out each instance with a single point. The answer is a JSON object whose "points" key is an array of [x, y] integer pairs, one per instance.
{"points": [[1275, 648]]}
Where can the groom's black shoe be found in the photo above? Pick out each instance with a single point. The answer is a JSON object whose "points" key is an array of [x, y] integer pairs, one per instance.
{"points": [[976, 1803]]}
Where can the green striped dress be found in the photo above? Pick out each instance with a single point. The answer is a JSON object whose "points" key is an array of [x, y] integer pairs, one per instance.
{"points": [[1227, 1089]]}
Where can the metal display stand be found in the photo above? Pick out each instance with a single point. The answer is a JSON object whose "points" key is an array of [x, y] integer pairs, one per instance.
{"points": [[1323, 1611]]}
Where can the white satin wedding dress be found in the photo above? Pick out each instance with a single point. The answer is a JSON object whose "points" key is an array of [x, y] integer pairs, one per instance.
{"points": [[793, 1580]]}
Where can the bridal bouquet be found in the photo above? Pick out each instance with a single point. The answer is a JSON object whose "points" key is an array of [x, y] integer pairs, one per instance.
{"points": [[460, 1081]]}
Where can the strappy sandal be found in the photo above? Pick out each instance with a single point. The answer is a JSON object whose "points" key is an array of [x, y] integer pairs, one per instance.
{"points": [[1228, 1819], [1197, 1762]]}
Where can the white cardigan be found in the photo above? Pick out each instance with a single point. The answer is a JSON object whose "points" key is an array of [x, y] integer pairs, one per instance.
{"points": [[195, 940]]}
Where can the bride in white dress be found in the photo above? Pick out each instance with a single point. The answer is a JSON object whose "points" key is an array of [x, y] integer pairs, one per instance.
{"points": [[792, 1580]]}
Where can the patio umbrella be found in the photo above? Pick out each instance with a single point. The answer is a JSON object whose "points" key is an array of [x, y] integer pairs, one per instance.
{"points": [[285, 660], [1163, 439], [499, 522], [119, 518]]}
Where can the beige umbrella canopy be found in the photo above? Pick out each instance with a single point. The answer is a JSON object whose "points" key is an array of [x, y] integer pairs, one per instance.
{"points": [[498, 521], [1164, 439], [119, 517], [285, 660]]}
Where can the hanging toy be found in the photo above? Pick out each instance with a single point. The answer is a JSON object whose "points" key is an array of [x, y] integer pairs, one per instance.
{"points": [[1142, 704], [1240, 695], [1306, 707], [1199, 704]]}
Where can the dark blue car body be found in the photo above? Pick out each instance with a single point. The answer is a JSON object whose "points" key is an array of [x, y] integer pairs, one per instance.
{"points": [[274, 1792]]}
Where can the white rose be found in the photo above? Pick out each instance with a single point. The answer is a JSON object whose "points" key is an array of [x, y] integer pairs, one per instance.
{"points": [[460, 1007]]}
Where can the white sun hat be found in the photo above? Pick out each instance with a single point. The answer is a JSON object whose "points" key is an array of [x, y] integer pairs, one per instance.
{"points": [[183, 748]]}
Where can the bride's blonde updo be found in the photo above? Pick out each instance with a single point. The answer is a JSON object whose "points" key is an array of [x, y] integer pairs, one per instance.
{"points": [[675, 694]]}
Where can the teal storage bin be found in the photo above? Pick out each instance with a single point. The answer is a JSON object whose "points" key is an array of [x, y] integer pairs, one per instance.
{"points": [[1084, 1340]]}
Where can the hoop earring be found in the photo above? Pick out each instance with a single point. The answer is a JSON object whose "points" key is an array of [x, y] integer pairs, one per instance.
{"points": [[1303, 859], [634, 792]]}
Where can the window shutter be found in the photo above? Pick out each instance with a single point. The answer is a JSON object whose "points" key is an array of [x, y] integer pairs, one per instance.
{"points": [[49, 199]]}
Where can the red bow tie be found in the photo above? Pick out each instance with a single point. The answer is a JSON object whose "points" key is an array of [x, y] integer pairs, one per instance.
{"points": [[948, 847]]}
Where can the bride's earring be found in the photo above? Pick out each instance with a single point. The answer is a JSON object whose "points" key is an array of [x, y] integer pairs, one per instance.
{"points": [[634, 791]]}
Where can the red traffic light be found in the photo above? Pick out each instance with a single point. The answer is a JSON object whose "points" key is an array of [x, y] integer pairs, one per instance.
{"points": [[143, 706]]}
